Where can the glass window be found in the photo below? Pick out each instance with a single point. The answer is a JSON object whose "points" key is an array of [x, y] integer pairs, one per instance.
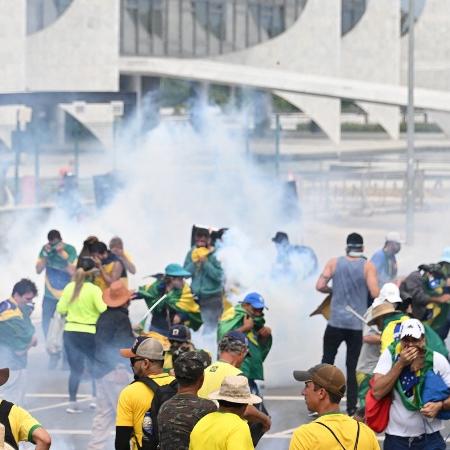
{"points": [[352, 11], [42, 13]]}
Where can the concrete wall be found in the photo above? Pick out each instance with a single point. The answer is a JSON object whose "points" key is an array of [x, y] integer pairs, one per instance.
{"points": [[371, 52], [78, 52], [312, 46], [12, 45]]}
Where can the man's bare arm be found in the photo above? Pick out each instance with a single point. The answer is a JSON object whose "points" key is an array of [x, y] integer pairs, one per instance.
{"points": [[326, 276], [372, 279]]}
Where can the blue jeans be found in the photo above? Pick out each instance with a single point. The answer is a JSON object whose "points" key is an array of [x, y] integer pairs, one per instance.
{"points": [[433, 441]]}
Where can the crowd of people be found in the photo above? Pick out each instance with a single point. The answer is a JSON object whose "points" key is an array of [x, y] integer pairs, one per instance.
{"points": [[161, 392]]}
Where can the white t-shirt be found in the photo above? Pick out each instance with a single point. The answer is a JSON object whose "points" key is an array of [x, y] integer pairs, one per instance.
{"points": [[403, 422]]}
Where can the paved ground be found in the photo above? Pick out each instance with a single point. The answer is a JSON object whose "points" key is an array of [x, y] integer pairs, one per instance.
{"points": [[47, 400]]}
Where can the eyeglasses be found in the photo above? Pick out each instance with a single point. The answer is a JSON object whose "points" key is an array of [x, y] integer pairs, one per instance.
{"points": [[134, 360]]}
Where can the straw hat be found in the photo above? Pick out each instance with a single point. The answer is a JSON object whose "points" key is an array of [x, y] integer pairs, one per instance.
{"points": [[117, 294], [382, 310], [235, 389]]}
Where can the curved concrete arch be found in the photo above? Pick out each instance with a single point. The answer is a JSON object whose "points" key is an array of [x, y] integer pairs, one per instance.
{"points": [[318, 22], [380, 23], [59, 60], [432, 66]]}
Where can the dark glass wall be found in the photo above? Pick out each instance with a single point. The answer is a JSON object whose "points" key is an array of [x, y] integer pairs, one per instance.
{"points": [[196, 28], [352, 11], [42, 13]]}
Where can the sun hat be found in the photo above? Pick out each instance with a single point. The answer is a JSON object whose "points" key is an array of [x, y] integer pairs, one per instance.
{"points": [[256, 300], [388, 293], [175, 270], [413, 328], [324, 375], [117, 294], [145, 347], [394, 236], [381, 310], [235, 389]]}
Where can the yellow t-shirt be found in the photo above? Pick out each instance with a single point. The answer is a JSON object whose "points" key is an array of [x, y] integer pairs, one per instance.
{"points": [[313, 436], [387, 337], [214, 375], [134, 401], [221, 431], [22, 424]]}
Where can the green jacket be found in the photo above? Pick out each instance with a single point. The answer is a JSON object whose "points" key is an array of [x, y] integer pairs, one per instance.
{"points": [[252, 367], [207, 277]]}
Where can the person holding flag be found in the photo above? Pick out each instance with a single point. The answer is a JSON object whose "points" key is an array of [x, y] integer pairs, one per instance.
{"points": [[178, 305]]}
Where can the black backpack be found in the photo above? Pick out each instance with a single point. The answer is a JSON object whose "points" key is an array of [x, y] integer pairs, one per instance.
{"points": [[5, 408], [150, 438]]}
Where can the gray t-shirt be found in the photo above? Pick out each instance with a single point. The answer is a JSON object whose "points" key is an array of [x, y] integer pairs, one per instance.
{"points": [[370, 353]]}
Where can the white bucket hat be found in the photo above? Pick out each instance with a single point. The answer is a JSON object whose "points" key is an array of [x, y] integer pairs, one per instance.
{"points": [[235, 389], [388, 293]]}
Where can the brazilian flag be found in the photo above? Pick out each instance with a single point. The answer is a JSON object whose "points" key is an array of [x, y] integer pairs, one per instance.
{"points": [[259, 348], [179, 300]]}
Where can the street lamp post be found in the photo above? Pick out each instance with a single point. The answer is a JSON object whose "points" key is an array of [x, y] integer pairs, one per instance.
{"points": [[410, 156]]}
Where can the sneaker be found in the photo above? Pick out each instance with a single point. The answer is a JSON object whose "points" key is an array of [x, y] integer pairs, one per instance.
{"points": [[73, 408], [92, 405]]}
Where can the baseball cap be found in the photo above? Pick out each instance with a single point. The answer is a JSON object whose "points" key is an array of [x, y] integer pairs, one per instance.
{"points": [[233, 341], [280, 237], [179, 333], [325, 375], [388, 293], [394, 236], [189, 366], [254, 299], [145, 347], [355, 240], [413, 328]]}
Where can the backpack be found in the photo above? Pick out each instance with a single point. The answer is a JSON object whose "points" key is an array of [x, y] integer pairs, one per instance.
{"points": [[5, 408], [150, 438]]}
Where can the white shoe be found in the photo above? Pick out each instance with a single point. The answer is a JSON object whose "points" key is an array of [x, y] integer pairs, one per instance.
{"points": [[92, 405], [73, 408]]}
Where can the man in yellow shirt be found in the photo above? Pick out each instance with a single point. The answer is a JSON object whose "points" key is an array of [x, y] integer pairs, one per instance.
{"points": [[19, 425], [226, 429], [324, 389], [134, 417]]}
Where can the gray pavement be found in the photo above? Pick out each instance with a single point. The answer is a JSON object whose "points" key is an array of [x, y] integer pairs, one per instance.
{"points": [[47, 399]]}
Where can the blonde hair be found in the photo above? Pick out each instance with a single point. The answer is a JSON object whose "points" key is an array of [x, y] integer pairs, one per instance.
{"points": [[79, 278]]}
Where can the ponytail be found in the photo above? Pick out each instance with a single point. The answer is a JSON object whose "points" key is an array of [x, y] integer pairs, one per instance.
{"points": [[79, 278]]}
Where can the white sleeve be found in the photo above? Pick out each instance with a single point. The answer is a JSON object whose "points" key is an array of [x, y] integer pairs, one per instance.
{"points": [[384, 364], [442, 367]]}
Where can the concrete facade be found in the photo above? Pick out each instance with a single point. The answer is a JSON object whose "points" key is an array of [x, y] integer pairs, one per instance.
{"points": [[310, 64]]}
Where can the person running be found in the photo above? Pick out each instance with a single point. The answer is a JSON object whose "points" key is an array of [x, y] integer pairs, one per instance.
{"points": [[324, 389], [134, 418], [20, 425], [226, 429], [113, 332], [178, 415], [207, 279], [81, 303], [402, 370], [17, 336], [354, 278], [58, 259]]}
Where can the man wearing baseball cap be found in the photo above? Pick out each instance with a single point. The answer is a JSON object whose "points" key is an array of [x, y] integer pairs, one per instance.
{"points": [[384, 259], [353, 279], [324, 389], [178, 416], [226, 429], [147, 359], [248, 318], [401, 370]]}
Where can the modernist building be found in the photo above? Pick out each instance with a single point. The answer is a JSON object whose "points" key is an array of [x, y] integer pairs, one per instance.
{"points": [[75, 47]]}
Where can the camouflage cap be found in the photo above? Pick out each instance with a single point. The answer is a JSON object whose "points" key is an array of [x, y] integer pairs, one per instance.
{"points": [[234, 342], [189, 366]]}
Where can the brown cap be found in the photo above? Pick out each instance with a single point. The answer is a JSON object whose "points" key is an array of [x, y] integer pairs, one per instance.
{"points": [[324, 375], [382, 310]]}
